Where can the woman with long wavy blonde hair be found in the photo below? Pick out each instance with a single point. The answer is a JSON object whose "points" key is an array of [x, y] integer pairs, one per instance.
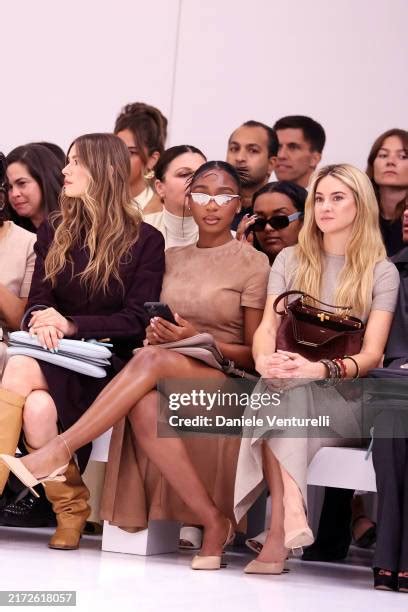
{"points": [[340, 259], [97, 263]]}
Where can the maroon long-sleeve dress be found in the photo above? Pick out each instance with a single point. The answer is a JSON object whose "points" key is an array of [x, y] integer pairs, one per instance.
{"points": [[118, 315]]}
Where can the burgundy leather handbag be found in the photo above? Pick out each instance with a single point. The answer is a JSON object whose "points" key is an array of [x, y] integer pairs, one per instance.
{"points": [[316, 333]]}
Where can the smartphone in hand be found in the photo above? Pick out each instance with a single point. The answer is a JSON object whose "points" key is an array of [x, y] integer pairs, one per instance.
{"points": [[159, 309]]}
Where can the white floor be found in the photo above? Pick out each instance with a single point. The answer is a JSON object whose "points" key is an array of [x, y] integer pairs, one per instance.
{"points": [[142, 584]]}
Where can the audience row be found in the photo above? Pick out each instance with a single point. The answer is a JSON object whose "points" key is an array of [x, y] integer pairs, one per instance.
{"points": [[136, 223]]}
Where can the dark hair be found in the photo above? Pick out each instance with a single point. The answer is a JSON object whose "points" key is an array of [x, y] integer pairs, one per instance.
{"points": [[313, 132], [58, 152], [3, 190], [169, 155], [46, 169], [217, 165], [403, 135], [148, 126], [273, 143], [294, 192]]}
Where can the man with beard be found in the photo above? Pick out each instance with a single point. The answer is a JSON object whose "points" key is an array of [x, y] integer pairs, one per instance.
{"points": [[252, 150]]}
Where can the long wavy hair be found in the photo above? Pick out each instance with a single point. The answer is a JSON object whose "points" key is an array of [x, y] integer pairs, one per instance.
{"points": [[364, 249], [103, 220]]}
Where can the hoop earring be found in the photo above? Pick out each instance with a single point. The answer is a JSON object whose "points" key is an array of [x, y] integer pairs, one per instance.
{"points": [[148, 174]]}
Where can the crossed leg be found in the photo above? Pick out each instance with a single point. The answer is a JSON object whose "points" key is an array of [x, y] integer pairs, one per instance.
{"points": [[120, 398], [170, 456]]}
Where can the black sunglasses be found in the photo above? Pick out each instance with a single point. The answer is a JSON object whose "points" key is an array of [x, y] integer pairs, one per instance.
{"points": [[277, 222]]}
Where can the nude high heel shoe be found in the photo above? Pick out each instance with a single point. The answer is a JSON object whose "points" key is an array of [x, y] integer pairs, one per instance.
{"points": [[259, 567], [27, 478], [297, 531], [212, 562]]}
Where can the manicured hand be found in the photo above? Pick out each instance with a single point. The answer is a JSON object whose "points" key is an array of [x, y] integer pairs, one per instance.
{"points": [[162, 331], [48, 336], [294, 365], [266, 364], [244, 224], [51, 317], [151, 336]]}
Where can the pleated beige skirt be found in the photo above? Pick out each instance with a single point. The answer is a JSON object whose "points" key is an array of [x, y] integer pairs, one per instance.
{"points": [[135, 491], [292, 445]]}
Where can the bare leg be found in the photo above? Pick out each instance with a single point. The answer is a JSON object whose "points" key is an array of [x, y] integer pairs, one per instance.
{"points": [[274, 549], [23, 375], [360, 521], [171, 458], [39, 419], [118, 398]]}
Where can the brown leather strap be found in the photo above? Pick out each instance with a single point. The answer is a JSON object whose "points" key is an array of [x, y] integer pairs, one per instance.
{"points": [[284, 295]]}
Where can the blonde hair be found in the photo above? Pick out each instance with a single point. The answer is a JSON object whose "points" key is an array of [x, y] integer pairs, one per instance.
{"points": [[364, 249], [103, 220]]}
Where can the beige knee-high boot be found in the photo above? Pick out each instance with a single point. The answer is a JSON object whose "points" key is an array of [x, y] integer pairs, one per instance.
{"points": [[11, 419], [69, 501]]}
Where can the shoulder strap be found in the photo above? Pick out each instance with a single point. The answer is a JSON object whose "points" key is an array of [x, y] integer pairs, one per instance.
{"points": [[284, 296]]}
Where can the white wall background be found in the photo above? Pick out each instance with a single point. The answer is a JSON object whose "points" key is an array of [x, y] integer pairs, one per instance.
{"points": [[69, 67]]}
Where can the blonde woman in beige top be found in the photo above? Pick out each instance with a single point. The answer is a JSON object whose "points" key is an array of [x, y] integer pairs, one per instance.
{"points": [[340, 259]]}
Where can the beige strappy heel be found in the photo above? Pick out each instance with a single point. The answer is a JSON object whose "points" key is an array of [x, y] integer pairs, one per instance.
{"points": [[212, 562], [27, 478]]}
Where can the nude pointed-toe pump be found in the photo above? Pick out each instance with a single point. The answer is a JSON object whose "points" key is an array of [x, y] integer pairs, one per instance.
{"points": [[212, 562]]}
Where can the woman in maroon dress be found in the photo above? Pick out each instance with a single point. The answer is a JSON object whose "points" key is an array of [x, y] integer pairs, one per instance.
{"points": [[97, 263]]}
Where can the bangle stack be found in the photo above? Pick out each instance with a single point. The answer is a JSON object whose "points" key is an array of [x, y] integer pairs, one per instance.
{"points": [[337, 371]]}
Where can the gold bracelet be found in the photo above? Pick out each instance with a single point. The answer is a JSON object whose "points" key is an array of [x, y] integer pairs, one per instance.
{"points": [[357, 374]]}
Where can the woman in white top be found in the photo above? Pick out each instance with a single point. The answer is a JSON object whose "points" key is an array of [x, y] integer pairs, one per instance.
{"points": [[173, 172], [143, 129]]}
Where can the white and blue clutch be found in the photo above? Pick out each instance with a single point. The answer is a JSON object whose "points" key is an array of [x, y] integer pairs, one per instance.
{"points": [[89, 358]]}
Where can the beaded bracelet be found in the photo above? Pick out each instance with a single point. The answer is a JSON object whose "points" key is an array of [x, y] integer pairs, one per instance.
{"points": [[342, 366], [333, 372]]}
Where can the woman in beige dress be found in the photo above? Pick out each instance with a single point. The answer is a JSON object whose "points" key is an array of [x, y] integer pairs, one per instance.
{"points": [[219, 286], [341, 260]]}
